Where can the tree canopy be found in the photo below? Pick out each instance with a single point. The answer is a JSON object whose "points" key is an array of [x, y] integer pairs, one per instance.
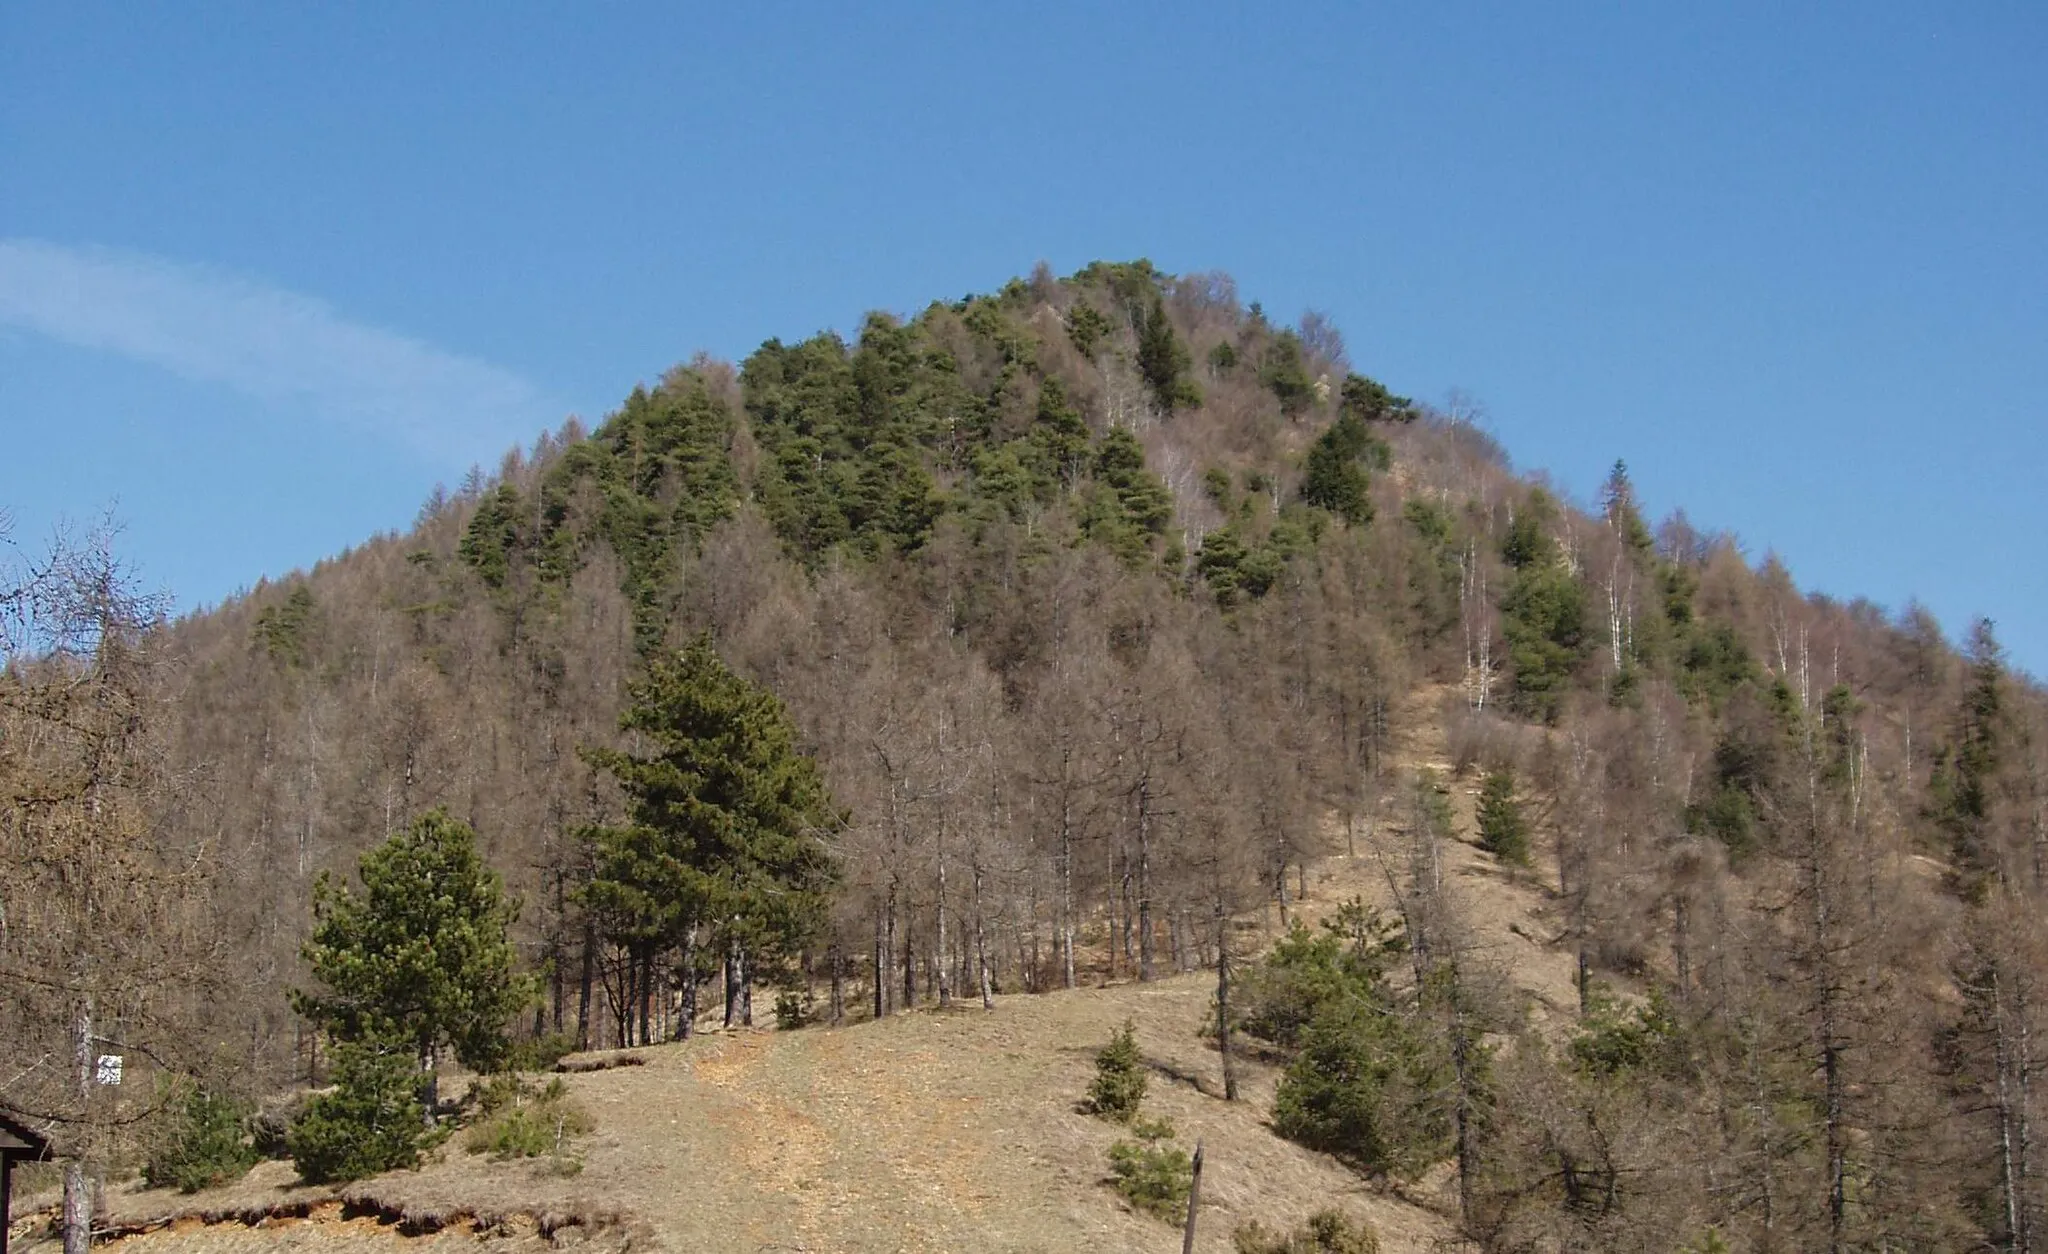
{"points": [[420, 956]]}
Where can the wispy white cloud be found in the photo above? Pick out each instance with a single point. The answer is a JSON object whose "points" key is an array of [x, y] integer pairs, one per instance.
{"points": [[293, 352]]}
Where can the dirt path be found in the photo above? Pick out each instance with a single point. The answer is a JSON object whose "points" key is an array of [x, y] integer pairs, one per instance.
{"points": [[947, 1132]]}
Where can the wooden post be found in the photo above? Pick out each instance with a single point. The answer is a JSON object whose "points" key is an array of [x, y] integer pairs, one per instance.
{"points": [[1187, 1240]]}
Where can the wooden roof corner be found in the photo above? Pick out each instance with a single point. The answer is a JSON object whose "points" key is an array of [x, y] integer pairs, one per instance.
{"points": [[20, 1142]]}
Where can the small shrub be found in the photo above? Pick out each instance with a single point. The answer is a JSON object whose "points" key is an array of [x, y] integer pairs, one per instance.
{"points": [[540, 1053], [793, 1009], [1307, 970], [372, 1120], [518, 1120], [1326, 1232], [1368, 1086], [1615, 1038], [1151, 1129], [205, 1144], [1119, 1084], [1153, 1177]]}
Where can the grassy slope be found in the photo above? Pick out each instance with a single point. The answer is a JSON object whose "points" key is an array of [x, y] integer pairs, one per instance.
{"points": [[940, 1132]]}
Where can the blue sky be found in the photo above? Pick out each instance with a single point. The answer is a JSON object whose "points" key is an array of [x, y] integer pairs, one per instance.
{"points": [[270, 272]]}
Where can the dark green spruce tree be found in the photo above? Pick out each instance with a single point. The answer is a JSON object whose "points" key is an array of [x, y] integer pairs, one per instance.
{"points": [[1336, 477], [1503, 830], [724, 849], [1163, 359], [1543, 612], [1964, 788]]}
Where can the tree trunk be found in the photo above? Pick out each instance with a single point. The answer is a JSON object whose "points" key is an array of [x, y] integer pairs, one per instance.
{"points": [[880, 967], [589, 977], [981, 962], [77, 1210], [941, 977], [647, 997], [686, 967], [688, 1027], [1223, 1005], [1145, 878], [2008, 1118], [430, 1064], [909, 968], [557, 990], [1681, 946], [1066, 891], [2024, 1156], [1461, 1062]]}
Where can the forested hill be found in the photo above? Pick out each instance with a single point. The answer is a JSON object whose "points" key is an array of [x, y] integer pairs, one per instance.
{"points": [[1099, 601]]}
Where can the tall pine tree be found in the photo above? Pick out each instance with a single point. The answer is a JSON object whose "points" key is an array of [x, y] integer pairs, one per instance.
{"points": [[1964, 786], [725, 843]]}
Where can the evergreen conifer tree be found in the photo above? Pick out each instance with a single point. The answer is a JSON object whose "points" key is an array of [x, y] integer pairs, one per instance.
{"points": [[725, 839], [1060, 432], [420, 957], [1285, 374], [371, 1121], [1618, 505], [1503, 831], [1963, 790], [1119, 1085], [1164, 360], [1367, 400], [1336, 476]]}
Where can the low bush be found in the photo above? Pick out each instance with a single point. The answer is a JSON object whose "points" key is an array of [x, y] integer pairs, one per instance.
{"points": [[793, 1009], [205, 1143], [1154, 1177], [1503, 829], [1119, 1084], [1614, 1038], [372, 1120], [270, 1128], [1368, 1086], [1326, 1232], [1349, 956], [1151, 1129], [540, 1053], [516, 1119]]}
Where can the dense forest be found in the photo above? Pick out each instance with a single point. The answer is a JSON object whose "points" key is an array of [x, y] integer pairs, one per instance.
{"points": [[1101, 604]]}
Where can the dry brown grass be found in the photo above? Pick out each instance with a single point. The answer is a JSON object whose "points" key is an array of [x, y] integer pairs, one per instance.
{"points": [[923, 1132], [1511, 915]]}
